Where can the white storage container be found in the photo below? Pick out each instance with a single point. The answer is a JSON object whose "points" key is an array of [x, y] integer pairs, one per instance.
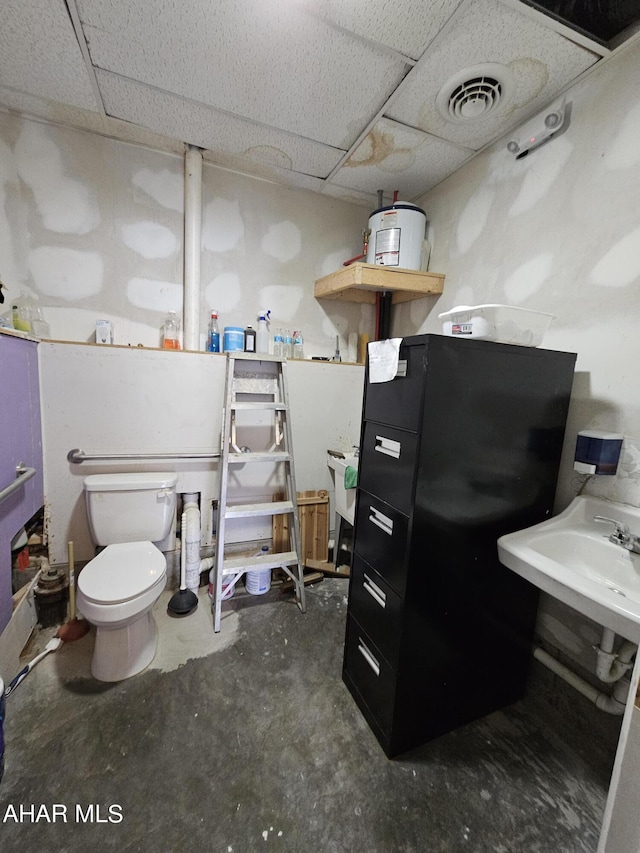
{"points": [[502, 323]]}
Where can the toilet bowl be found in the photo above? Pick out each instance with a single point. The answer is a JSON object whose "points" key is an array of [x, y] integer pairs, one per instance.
{"points": [[116, 591]]}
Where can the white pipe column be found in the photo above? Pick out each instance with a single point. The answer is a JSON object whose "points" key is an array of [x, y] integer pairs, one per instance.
{"points": [[192, 243], [191, 540]]}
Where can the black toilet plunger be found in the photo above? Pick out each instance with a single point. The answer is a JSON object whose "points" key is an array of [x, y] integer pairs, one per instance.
{"points": [[184, 601]]}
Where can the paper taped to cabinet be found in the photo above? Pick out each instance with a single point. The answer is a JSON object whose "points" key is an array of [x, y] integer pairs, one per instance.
{"points": [[383, 359]]}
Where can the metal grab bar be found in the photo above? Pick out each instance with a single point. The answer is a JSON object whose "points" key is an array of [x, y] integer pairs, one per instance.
{"points": [[77, 456], [22, 475]]}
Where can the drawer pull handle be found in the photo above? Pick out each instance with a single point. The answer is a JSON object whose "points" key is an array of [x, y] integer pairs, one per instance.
{"points": [[366, 654], [401, 372], [374, 591], [382, 521], [387, 446]]}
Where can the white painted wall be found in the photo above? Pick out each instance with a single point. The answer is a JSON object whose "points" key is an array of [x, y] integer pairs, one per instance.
{"points": [[559, 231], [93, 228], [110, 400]]}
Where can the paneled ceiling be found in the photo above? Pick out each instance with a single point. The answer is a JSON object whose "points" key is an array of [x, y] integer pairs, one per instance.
{"points": [[344, 97]]}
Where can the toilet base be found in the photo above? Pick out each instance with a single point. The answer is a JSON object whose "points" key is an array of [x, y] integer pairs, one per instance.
{"points": [[122, 652]]}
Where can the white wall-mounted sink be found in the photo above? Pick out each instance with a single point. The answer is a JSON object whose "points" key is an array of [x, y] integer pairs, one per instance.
{"points": [[345, 498], [571, 558]]}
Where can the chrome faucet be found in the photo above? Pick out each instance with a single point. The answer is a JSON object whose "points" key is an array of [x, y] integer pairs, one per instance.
{"points": [[621, 535]]}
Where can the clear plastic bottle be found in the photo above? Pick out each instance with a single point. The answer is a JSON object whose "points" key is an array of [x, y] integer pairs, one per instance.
{"points": [[298, 346], [171, 331], [288, 345], [278, 344], [258, 581]]}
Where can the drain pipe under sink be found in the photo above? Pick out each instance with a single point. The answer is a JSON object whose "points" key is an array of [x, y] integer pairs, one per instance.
{"points": [[611, 666], [614, 704]]}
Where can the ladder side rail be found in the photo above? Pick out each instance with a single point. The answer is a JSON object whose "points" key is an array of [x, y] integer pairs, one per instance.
{"points": [[223, 474], [296, 543]]}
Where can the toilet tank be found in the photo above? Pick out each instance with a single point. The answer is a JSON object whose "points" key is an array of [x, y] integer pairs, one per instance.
{"points": [[130, 507]]}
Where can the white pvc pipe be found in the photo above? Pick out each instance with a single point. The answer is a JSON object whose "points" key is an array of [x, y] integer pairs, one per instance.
{"points": [[192, 242], [191, 540], [608, 640], [610, 704], [612, 666]]}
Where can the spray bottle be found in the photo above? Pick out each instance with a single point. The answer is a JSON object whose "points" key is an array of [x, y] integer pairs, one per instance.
{"points": [[262, 334]]}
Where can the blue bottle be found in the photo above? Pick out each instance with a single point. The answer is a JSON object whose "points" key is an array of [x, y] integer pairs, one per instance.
{"points": [[213, 336]]}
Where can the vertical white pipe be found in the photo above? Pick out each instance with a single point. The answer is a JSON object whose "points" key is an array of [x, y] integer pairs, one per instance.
{"points": [[192, 241], [608, 640], [191, 540]]}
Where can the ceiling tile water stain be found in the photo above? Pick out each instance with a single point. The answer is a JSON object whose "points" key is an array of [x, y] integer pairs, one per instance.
{"points": [[335, 98]]}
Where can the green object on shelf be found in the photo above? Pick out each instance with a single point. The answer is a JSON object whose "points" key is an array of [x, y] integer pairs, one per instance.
{"points": [[350, 477]]}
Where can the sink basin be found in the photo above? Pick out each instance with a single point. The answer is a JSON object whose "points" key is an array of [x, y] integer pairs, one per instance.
{"points": [[345, 498], [571, 558]]}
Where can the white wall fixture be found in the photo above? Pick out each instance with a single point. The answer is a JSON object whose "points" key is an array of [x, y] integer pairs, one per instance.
{"points": [[538, 130]]}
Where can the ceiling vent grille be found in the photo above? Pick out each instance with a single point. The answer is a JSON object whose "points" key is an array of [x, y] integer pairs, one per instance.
{"points": [[474, 93], [474, 98]]}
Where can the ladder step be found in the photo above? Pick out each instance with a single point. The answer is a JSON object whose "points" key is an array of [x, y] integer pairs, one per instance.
{"points": [[267, 407], [233, 565], [251, 356], [270, 456], [252, 510]]}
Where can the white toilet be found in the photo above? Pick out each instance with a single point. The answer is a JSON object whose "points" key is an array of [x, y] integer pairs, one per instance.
{"points": [[117, 589]]}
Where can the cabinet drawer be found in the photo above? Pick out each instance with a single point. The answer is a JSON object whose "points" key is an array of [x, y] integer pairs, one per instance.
{"points": [[381, 538], [376, 607], [399, 402], [370, 674], [387, 463]]}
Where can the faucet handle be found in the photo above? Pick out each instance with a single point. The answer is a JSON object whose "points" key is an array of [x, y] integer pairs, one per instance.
{"points": [[620, 535], [620, 529]]}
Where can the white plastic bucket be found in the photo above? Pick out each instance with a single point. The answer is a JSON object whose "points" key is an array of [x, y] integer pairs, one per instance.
{"points": [[228, 586], [258, 582], [397, 236], [233, 339]]}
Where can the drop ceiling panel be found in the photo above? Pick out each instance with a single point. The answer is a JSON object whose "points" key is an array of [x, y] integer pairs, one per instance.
{"points": [[541, 61], [407, 26], [39, 53], [296, 73], [395, 157], [217, 131]]}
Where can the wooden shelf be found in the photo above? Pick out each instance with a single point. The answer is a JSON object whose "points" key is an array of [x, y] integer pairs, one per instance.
{"points": [[361, 282]]}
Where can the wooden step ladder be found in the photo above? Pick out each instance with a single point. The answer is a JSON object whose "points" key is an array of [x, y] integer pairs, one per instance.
{"points": [[264, 376]]}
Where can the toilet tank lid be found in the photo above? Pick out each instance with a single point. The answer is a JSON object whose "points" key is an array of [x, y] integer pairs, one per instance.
{"points": [[130, 482]]}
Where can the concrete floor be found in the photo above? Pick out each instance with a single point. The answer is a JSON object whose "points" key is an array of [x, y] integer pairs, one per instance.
{"points": [[249, 740]]}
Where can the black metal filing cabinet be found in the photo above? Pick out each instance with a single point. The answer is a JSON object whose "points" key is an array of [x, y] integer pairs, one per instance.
{"points": [[462, 446]]}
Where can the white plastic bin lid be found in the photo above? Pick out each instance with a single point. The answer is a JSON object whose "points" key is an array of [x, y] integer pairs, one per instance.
{"points": [[122, 572], [465, 309], [130, 482]]}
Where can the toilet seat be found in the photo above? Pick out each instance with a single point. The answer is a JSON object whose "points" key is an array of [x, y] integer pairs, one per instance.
{"points": [[122, 572]]}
